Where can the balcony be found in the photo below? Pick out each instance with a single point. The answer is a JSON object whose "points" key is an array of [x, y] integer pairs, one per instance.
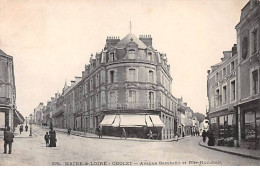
{"points": [[131, 106]]}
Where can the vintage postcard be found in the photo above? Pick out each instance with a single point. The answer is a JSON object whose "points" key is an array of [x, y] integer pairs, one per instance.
{"points": [[130, 83]]}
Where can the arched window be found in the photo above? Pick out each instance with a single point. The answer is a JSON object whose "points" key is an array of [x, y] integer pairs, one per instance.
{"points": [[131, 54]]}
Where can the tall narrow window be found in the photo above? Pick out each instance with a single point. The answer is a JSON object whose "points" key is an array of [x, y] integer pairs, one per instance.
{"points": [[217, 76], [232, 65], [149, 56], [233, 90], [254, 41], [131, 54], [97, 100], [132, 75], [91, 103], [112, 99], [97, 80], [255, 81], [151, 76], [224, 94], [112, 56], [131, 98], [224, 72], [112, 78], [217, 97], [107, 58], [151, 100], [91, 84]]}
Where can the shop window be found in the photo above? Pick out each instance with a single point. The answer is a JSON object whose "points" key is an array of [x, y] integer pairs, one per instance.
{"points": [[255, 82], [250, 126]]}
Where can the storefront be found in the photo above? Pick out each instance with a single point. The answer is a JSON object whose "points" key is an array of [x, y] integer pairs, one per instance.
{"points": [[250, 125]]}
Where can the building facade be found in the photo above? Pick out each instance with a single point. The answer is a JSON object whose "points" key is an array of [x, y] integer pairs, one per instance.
{"points": [[38, 114], [9, 116], [126, 85], [233, 85], [248, 38]]}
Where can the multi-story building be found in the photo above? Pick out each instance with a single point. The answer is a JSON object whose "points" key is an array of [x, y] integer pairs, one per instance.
{"points": [[222, 95], [9, 116], [233, 84], [38, 114], [248, 38], [126, 85]]}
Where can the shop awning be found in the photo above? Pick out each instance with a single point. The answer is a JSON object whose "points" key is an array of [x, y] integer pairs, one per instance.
{"points": [[148, 121], [157, 122], [108, 120], [116, 121], [19, 117], [132, 121]]}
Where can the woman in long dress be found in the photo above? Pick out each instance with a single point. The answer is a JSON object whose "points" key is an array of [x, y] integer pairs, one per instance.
{"points": [[53, 140]]}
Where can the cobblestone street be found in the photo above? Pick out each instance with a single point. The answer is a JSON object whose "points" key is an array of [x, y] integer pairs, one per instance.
{"points": [[81, 151]]}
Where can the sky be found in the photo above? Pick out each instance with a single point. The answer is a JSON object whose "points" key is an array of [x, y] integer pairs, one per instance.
{"points": [[51, 41]]}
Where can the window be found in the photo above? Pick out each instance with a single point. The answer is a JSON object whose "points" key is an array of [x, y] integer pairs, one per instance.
{"points": [[233, 90], [131, 54], [149, 56], [217, 76], [244, 47], [249, 133], [224, 95], [217, 98], [112, 78], [97, 80], [224, 72], [151, 76], [232, 65], [131, 96], [254, 34], [97, 100], [132, 75], [112, 57], [91, 102], [255, 82], [91, 84], [112, 99], [107, 58]]}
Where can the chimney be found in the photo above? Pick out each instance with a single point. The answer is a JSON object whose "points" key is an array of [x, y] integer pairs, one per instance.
{"points": [[234, 50], [112, 41], [72, 82], [227, 55], [146, 39]]}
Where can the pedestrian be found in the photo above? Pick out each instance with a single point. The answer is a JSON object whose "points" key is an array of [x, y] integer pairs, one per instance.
{"points": [[21, 129], [47, 139], [182, 134], [26, 128], [100, 132], [8, 140], [204, 135], [69, 130], [150, 135], [123, 133], [53, 139], [211, 141]]}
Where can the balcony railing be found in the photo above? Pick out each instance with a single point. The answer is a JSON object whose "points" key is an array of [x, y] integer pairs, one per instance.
{"points": [[129, 106]]}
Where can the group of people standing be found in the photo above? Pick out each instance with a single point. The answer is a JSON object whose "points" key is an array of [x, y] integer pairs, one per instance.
{"points": [[21, 128], [211, 138], [50, 138]]}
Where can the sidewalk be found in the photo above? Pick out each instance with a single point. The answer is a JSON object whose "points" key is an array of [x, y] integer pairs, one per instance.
{"points": [[24, 134], [248, 153], [91, 135]]}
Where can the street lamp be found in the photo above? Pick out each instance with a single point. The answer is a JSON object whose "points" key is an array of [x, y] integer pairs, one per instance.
{"points": [[30, 122]]}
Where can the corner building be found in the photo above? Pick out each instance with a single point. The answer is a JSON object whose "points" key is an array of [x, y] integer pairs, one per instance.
{"points": [[126, 85]]}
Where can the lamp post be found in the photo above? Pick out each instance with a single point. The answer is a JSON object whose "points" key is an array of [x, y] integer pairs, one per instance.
{"points": [[30, 122]]}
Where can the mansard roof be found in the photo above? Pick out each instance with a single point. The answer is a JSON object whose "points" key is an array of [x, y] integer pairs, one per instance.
{"points": [[130, 38]]}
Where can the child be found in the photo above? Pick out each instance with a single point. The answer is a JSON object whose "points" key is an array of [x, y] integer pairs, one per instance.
{"points": [[47, 138]]}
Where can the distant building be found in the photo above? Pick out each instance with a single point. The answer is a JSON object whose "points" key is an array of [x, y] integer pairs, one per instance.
{"points": [[38, 114], [9, 116]]}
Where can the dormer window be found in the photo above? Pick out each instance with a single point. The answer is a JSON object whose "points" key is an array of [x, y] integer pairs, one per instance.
{"points": [[131, 54], [149, 56], [112, 57]]}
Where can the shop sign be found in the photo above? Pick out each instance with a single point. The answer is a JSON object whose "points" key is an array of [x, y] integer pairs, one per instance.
{"points": [[223, 80]]}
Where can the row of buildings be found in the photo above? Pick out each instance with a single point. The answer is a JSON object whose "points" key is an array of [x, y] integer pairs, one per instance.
{"points": [[9, 116], [233, 84], [127, 84]]}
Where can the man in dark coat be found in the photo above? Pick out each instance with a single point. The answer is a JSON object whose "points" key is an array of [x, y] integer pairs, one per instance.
{"points": [[8, 139], [21, 129], [52, 135], [211, 141], [204, 135], [26, 128]]}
